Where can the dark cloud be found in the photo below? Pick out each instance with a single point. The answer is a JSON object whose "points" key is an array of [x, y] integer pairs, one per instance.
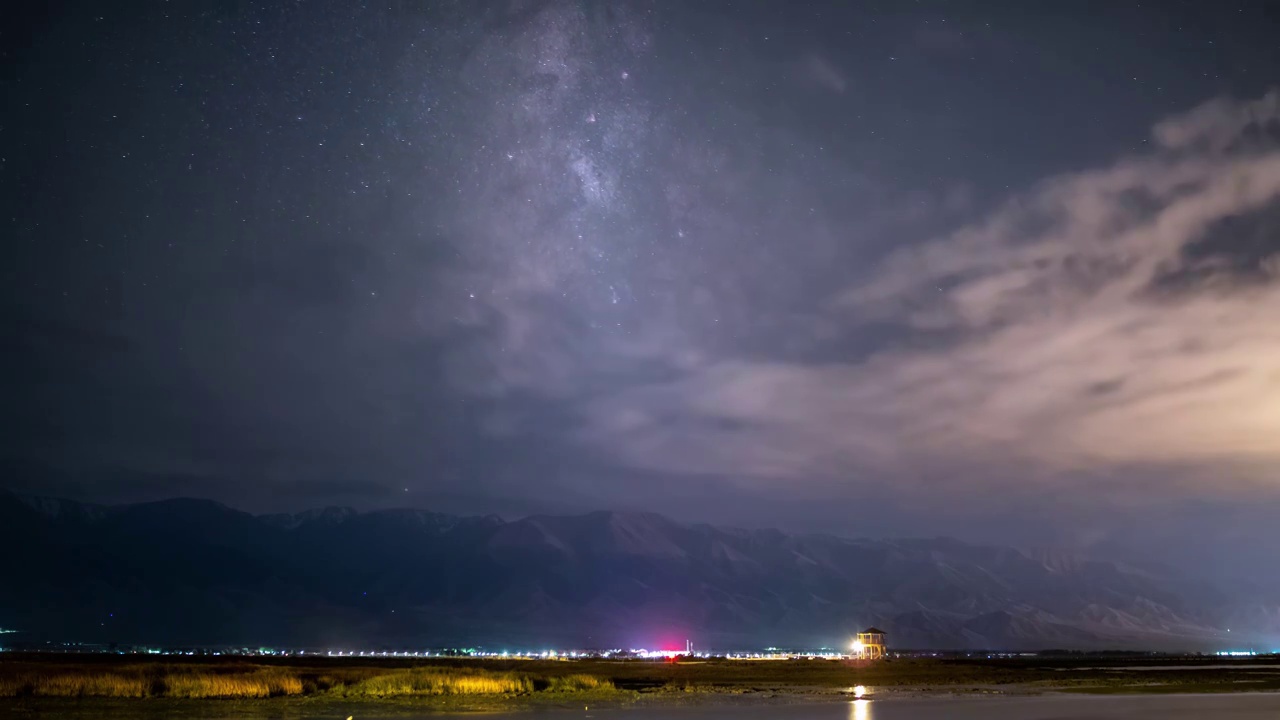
{"points": [[748, 263]]}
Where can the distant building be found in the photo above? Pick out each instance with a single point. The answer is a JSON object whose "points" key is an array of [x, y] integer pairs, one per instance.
{"points": [[869, 645]]}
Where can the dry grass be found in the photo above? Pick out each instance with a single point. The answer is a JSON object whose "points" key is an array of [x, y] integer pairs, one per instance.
{"points": [[258, 683], [98, 684], [578, 682], [439, 681], [137, 680]]}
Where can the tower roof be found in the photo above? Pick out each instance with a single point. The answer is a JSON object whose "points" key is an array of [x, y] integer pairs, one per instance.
{"points": [[872, 631]]}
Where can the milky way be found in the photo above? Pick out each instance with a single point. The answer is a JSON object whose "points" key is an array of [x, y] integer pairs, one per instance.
{"points": [[745, 262]]}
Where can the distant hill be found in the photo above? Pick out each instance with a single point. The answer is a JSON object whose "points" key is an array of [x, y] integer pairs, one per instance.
{"points": [[195, 571]]}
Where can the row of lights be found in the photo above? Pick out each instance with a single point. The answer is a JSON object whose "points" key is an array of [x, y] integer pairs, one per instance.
{"points": [[519, 654]]}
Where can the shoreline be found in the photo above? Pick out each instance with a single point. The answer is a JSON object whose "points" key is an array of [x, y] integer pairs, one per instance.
{"points": [[115, 687], [409, 706]]}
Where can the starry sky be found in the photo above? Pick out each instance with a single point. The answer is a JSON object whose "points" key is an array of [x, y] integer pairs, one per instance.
{"points": [[1000, 270]]}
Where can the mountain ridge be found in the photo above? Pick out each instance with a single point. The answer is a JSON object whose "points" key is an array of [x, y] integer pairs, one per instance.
{"points": [[196, 571]]}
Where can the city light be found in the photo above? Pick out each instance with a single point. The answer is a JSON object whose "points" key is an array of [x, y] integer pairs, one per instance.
{"points": [[668, 654]]}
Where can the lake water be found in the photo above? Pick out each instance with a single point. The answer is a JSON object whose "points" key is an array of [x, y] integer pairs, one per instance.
{"points": [[1236, 706]]}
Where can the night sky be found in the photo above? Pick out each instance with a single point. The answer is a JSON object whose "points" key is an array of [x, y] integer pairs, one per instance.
{"points": [[1007, 271]]}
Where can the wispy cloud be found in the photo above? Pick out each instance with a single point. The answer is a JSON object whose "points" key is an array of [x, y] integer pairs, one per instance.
{"points": [[821, 73], [1087, 326]]}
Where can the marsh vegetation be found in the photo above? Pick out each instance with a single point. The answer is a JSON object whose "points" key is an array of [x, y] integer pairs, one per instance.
{"points": [[172, 686], [244, 680]]}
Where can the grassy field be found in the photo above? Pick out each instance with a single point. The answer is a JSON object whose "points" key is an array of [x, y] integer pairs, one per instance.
{"points": [[174, 687], [55, 677]]}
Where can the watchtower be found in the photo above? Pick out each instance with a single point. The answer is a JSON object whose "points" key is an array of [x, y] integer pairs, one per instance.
{"points": [[869, 645]]}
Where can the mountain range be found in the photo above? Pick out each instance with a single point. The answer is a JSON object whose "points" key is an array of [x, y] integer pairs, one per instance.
{"points": [[196, 572]]}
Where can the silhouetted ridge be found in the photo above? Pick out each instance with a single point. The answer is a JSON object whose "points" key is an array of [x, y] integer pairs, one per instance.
{"points": [[189, 570]]}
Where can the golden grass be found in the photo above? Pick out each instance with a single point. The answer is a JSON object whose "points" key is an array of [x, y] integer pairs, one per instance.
{"points": [[578, 682], [440, 681], [137, 680], [258, 683], [97, 684], [132, 681]]}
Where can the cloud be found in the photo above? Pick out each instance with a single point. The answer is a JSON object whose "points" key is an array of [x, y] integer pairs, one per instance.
{"points": [[821, 74], [680, 289], [1072, 333]]}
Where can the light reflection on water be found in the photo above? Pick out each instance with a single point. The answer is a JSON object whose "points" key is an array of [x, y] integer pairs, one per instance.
{"points": [[1242, 706], [1228, 706]]}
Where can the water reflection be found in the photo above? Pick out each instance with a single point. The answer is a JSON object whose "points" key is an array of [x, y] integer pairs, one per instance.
{"points": [[1237, 706]]}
